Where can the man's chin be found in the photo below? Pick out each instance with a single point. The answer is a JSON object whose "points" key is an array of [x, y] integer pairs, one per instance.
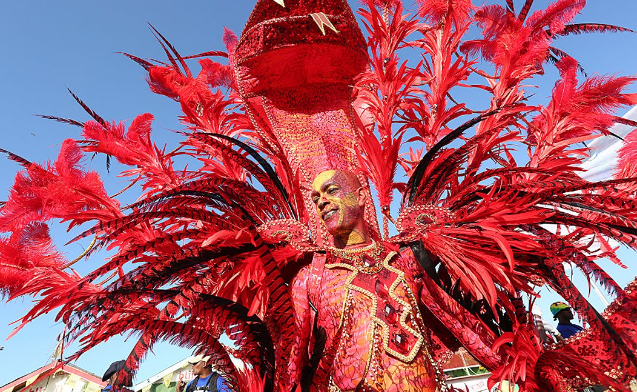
{"points": [[332, 225], [333, 231]]}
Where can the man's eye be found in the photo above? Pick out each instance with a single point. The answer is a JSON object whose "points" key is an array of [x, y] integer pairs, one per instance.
{"points": [[315, 200], [332, 190]]}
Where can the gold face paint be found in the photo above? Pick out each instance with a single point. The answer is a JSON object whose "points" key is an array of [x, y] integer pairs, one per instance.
{"points": [[336, 196]]}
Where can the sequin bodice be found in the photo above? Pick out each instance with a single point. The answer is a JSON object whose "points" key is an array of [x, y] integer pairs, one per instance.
{"points": [[375, 333]]}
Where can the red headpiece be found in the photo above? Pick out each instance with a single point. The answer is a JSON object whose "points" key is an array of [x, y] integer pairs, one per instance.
{"points": [[295, 66]]}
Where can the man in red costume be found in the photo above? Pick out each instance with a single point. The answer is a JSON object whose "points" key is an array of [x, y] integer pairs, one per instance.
{"points": [[359, 294]]}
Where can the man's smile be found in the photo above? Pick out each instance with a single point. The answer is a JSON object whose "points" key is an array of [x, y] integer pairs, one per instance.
{"points": [[329, 213]]}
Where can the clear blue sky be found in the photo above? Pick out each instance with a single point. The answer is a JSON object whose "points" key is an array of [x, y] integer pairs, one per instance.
{"points": [[47, 47]]}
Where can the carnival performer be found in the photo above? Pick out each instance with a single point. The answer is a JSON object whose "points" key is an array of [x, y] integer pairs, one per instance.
{"points": [[274, 243], [363, 294]]}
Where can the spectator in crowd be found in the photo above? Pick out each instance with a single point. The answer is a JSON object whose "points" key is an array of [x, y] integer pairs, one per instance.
{"points": [[111, 375], [205, 378], [564, 314]]}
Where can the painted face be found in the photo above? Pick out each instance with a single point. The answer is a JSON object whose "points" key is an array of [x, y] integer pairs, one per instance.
{"points": [[336, 195]]}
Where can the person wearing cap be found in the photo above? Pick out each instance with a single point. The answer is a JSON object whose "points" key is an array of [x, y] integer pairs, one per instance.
{"points": [[205, 379], [564, 314], [111, 376]]}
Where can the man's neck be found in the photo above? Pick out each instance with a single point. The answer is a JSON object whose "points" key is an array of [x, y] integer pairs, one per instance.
{"points": [[205, 373], [354, 238]]}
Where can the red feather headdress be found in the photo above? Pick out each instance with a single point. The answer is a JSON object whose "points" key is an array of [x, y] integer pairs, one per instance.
{"points": [[210, 250]]}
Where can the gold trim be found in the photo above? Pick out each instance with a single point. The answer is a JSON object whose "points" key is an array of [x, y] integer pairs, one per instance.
{"points": [[356, 255], [407, 308]]}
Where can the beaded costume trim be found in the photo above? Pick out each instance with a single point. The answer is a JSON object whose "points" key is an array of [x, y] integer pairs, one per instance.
{"points": [[407, 308]]}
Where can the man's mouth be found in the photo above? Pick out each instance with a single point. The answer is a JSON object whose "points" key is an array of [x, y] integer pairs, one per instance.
{"points": [[328, 214]]}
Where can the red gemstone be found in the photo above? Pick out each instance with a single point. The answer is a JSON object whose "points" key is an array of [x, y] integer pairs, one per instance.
{"points": [[390, 314], [368, 261], [381, 290]]}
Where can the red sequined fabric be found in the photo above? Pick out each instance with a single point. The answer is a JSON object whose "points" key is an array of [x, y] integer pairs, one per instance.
{"points": [[592, 345]]}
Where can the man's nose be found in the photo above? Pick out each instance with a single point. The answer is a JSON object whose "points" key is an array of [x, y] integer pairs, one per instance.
{"points": [[322, 202]]}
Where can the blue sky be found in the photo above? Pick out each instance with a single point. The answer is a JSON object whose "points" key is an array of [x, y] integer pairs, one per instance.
{"points": [[47, 47]]}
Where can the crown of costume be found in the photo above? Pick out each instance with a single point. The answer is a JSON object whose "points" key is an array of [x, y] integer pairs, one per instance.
{"points": [[295, 66]]}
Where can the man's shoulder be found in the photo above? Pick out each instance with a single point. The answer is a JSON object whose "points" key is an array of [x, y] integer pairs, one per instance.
{"points": [[313, 268], [569, 325], [568, 330]]}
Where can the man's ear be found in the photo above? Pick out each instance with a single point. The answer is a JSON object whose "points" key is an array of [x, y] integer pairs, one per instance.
{"points": [[362, 196]]}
